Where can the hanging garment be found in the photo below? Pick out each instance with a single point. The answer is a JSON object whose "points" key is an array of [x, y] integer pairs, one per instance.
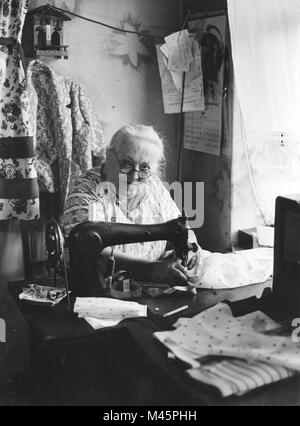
{"points": [[18, 180], [67, 131]]}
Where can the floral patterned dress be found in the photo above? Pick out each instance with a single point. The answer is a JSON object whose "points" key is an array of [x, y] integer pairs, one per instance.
{"points": [[69, 135], [19, 193]]}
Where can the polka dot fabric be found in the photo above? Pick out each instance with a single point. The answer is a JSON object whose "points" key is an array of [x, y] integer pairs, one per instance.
{"points": [[108, 309], [252, 337], [232, 270]]}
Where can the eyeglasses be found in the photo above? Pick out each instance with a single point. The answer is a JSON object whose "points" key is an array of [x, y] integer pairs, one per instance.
{"points": [[127, 167]]}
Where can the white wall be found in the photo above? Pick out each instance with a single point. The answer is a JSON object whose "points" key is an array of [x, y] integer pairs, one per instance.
{"points": [[121, 93]]}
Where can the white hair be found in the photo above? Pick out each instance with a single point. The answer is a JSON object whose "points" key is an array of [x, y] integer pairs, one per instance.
{"points": [[143, 132]]}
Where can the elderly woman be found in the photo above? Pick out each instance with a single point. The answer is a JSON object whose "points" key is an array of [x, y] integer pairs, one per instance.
{"points": [[127, 188]]}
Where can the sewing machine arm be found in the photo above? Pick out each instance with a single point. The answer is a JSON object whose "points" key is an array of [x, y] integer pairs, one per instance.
{"points": [[89, 239]]}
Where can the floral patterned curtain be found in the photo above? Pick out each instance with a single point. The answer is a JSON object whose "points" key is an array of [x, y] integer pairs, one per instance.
{"points": [[19, 193]]}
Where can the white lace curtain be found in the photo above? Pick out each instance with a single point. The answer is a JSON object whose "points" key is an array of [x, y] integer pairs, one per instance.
{"points": [[265, 36]]}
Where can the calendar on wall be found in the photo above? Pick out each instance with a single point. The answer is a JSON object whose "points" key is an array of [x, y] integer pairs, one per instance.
{"points": [[203, 129], [202, 134]]}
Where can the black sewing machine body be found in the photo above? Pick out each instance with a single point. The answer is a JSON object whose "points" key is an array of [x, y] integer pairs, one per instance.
{"points": [[286, 276], [89, 239]]}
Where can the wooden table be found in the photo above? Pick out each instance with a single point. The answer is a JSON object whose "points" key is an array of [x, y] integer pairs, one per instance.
{"points": [[131, 366]]}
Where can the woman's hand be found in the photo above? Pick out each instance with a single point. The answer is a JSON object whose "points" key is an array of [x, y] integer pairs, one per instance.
{"points": [[193, 256], [169, 272], [193, 266]]}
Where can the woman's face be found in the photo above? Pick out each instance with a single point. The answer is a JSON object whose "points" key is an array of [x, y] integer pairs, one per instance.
{"points": [[139, 153]]}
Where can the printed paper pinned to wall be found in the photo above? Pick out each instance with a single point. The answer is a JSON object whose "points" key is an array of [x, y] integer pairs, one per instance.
{"points": [[203, 130], [171, 82]]}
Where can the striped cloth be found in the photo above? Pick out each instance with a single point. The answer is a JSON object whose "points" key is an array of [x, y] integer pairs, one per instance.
{"points": [[234, 354], [237, 377]]}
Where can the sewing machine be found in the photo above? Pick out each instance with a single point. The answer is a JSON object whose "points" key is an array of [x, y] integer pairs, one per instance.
{"points": [[89, 239], [63, 332]]}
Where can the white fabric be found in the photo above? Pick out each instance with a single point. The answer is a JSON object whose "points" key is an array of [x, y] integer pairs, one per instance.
{"points": [[104, 312], [97, 323], [235, 355], [265, 38], [232, 376], [253, 337], [237, 377], [181, 352], [231, 270]]}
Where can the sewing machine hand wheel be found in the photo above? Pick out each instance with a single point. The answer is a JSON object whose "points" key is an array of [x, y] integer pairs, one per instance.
{"points": [[54, 245], [55, 249]]}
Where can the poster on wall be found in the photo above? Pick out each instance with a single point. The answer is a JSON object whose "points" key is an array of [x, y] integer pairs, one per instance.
{"points": [[172, 84], [203, 129]]}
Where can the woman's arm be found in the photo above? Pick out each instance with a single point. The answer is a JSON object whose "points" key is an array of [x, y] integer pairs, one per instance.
{"points": [[169, 272]]}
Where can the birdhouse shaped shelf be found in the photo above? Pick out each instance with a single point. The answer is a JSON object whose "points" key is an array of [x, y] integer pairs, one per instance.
{"points": [[48, 32]]}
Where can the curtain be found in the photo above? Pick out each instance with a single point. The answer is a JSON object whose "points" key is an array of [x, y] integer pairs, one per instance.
{"points": [[19, 194], [265, 39]]}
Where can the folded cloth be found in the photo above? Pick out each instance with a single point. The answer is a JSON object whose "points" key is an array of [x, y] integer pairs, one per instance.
{"points": [[101, 323], [231, 376], [104, 312], [234, 354], [237, 377], [186, 355], [252, 337], [231, 270]]}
